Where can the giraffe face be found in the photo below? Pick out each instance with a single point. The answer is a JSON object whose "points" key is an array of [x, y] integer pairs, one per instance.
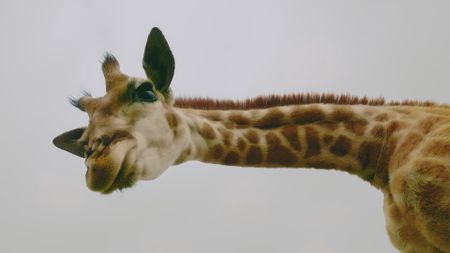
{"points": [[133, 131], [129, 136]]}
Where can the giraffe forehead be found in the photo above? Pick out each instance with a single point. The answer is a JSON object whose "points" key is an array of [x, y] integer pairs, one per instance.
{"points": [[116, 81], [105, 105]]}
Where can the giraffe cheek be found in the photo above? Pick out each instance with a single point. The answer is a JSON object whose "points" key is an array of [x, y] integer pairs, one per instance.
{"points": [[151, 164]]}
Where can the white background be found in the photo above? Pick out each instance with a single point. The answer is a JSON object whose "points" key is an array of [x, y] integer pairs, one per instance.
{"points": [[50, 50]]}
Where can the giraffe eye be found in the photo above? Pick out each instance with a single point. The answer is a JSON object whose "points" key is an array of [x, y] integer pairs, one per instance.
{"points": [[144, 93]]}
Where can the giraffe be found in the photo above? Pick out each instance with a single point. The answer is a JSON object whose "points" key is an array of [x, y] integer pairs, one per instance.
{"points": [[138, 129]]}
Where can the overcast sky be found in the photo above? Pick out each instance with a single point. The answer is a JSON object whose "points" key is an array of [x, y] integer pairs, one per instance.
{"points": [[50, 50]]}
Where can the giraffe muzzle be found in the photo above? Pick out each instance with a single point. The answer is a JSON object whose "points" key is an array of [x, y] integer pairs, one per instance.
{"points": [[112, 166]]}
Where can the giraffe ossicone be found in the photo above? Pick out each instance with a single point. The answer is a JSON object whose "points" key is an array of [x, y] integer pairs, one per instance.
{"points": [[138, 129]]}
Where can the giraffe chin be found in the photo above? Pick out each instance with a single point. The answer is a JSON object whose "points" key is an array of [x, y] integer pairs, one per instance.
{"points": [[114, 168]]}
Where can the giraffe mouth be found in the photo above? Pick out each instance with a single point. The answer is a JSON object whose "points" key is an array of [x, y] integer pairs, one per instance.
{"points": [[127, 175], [112, 167]]}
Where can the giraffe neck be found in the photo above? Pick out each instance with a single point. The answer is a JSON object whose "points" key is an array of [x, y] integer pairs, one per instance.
{"points": [[352, 138]]}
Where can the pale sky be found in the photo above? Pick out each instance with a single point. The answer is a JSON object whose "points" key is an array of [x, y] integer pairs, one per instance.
{"points": [[51, 49]]}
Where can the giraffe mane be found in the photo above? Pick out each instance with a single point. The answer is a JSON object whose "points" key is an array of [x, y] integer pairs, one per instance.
{"points": [[268, 101]]}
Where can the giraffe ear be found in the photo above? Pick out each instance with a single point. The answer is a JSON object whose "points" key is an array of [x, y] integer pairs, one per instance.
{"points": [[158, 62], [68, 141]]}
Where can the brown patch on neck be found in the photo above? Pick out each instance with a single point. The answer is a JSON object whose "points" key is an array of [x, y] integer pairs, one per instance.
{"points": [[428, 124], [342, 146], [207, 131], [433, 168], [381, 117], [241, 144], [393, 127], [330, 125], [357, 127], [378, 131], [216, 151], [226, 134], [437, 148], [272, 119], [254, 156], [313, 142], [252, 136], [341, 114], [232, 158], [291, 134], [307, 115], [351, 122], [277, 154], [407, 146], [239, 119], [368, 155]]}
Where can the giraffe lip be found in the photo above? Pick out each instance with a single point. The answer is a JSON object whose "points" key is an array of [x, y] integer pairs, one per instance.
{"points": [[121, 180]]}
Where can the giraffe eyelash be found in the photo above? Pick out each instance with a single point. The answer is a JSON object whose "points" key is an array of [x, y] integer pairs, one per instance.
{"points": [[75, 101]]}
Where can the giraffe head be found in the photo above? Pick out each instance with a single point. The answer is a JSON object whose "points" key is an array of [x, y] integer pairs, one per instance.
{"points": [[130, 135]]}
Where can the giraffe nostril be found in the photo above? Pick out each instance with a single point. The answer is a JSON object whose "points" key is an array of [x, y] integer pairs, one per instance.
{"points": [[89, 152], [105, 139]]}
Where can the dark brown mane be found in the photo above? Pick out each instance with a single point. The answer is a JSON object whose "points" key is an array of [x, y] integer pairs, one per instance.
{"points": [[262, 102]]}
